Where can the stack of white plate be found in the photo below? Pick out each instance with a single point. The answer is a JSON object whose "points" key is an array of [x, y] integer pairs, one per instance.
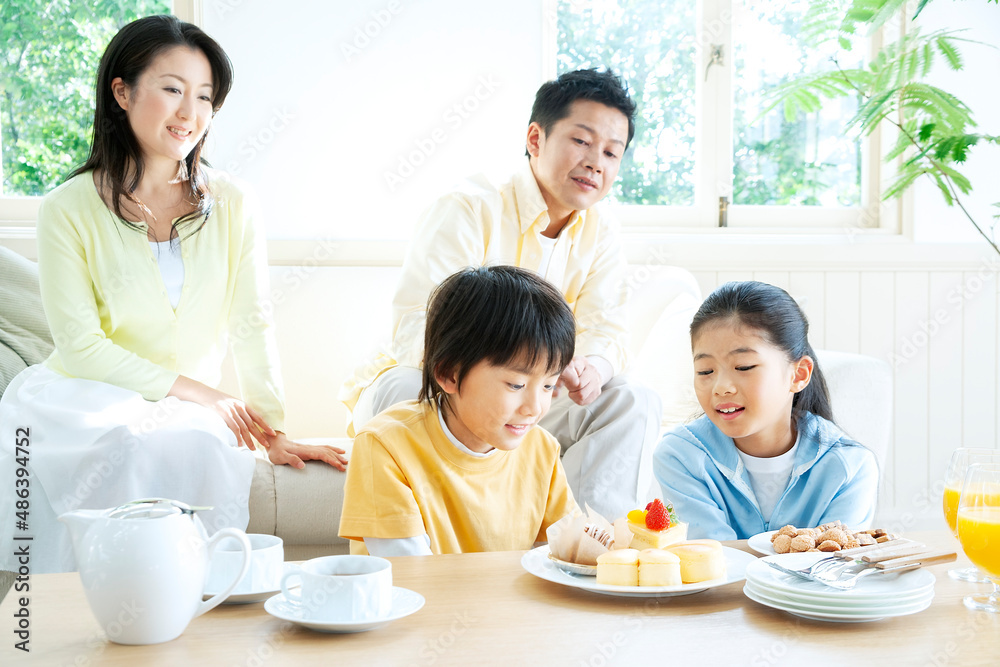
{"points": [[874, 597]]}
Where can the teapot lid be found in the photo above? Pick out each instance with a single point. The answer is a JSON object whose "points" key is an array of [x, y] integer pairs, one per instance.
{"points": [[152, 508]]}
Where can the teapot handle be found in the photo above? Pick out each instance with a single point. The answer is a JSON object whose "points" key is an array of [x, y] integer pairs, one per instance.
{"points": [[213, 542]]}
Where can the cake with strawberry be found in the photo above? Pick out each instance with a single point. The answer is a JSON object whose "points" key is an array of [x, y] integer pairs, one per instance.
{"points": [[655, 527]]}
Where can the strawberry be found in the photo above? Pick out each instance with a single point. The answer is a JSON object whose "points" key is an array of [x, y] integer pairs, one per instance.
{"points": [[657, 518]]}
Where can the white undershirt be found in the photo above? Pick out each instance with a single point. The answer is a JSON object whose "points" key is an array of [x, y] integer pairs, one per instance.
{"points": [[418, 545], [548, 245], [168, 258], [769, 477]]}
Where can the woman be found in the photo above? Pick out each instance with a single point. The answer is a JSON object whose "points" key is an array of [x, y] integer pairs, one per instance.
{"points": [[147, 262]]}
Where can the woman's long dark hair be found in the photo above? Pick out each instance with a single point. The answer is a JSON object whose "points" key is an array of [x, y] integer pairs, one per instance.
{"points": [[114, 149], [775, 316]]}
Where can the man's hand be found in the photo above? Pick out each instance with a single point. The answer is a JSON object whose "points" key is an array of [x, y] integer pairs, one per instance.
{"points": [[582, 380], [282, 451]]}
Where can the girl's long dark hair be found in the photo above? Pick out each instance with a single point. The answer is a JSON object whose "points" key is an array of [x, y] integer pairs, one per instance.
{"points": [[775, 316], [114, 149]]}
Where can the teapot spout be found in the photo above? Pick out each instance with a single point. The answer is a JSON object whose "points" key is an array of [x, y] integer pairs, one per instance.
{"points": [[79, 521]]}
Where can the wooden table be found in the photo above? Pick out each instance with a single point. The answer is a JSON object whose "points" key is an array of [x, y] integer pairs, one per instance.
{"points": [[485, 609]]}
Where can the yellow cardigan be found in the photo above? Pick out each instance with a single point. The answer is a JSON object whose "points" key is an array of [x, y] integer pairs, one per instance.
{"points": [[109, 313]]}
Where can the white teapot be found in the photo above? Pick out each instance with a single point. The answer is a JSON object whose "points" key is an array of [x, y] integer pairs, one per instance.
{"points": [[143, 567]]}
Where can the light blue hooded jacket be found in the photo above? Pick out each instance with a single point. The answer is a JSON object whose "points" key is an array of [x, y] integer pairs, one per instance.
{"points": [[701, 473]]}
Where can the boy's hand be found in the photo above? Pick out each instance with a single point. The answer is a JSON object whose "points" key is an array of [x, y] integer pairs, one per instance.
{"points": [[582, 379], [282, 451]]}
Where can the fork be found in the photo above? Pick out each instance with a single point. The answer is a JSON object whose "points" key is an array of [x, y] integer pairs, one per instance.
{"points": [[811, 573], [851, 581], [896, 565]]}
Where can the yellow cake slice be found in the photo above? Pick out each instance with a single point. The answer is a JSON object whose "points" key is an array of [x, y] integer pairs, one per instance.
{"points": [[619, 567], [659, 568], [701, 560], [644, 538]]}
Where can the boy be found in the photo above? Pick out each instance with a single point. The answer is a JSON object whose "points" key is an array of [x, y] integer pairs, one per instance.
{"points": [[463, 468], [544, 219]]}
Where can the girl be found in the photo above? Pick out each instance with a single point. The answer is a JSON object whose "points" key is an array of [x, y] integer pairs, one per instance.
{"points": [[767, 452], [148, 261]]}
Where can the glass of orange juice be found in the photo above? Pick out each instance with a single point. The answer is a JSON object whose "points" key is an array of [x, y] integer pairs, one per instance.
{"points": [[979, 529], [958, 466]]}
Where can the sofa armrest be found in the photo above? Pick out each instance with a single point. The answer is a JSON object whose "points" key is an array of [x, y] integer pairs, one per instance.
{"points": [[302, 507]]}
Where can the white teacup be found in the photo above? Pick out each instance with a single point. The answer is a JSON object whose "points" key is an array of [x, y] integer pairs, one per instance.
{"points": [[267, 556], [342, 588]]}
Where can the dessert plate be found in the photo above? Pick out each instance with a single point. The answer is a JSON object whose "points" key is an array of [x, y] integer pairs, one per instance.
{"points": [[404, 603], [761, 543], [835, 607], [255, 596], [574, 568], [873, 614], [538, 563], [879, 587]]}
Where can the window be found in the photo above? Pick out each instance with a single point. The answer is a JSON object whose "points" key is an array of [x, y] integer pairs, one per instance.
{"points": [[51, 51], [698, 72]]}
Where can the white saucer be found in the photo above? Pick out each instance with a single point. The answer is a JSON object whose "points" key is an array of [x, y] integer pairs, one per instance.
{"points": [[404, 603], [254, 596]]}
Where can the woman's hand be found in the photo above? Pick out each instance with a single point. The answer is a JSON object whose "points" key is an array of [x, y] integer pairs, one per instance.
{"points": [[241, 419], [282, 451]]}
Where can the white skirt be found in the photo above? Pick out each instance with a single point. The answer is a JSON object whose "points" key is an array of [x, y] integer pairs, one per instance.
{"points": [[92, 445]]}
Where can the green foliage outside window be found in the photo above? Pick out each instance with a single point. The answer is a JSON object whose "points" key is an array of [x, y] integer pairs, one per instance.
{"points": [[650, 44], [51, 49]]}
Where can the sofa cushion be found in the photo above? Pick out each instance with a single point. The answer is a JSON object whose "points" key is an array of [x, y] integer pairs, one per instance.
{"points": [[23, 328], [11, 364]]}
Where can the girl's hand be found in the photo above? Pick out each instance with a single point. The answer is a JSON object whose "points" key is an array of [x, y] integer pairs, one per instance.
{"points": [[241, 419], [282, 451]]}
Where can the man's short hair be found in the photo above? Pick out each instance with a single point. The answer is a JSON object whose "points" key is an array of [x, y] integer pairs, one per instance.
{"points": [[553, 99]]}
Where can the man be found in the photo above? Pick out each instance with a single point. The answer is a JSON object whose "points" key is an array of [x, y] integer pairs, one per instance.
{"points": [[544, 219]]}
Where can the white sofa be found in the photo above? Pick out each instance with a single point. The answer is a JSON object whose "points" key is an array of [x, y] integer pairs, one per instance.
{"points": [[318, 351], [329, 319]]}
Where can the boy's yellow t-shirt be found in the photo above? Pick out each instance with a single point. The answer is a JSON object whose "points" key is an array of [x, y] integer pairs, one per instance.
{"points": [[406, 478]]}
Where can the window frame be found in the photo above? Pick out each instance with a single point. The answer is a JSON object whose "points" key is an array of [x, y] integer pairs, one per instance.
{"points": [[713, 156], [876, 218]]}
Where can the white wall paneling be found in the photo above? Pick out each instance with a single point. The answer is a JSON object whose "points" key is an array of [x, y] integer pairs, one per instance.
{"points": [[938, 326]]}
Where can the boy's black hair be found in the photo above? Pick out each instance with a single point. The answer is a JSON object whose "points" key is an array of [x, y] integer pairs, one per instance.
{"points": [[497, 314], [553, 99], [773, 314]]}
